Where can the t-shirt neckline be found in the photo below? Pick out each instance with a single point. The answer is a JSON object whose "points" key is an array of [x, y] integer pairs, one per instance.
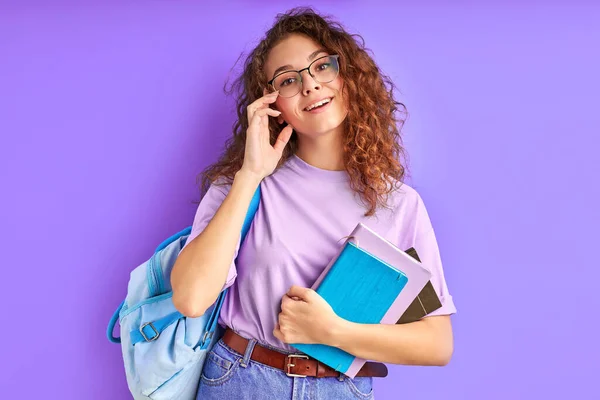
{"points": [[318, 173]]}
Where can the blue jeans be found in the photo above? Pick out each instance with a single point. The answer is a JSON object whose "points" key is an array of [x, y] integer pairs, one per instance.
{"points": [[230, 375]]}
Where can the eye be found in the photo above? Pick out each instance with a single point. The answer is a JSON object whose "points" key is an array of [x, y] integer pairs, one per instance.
{"points": [[288, 81], [323, 66]]}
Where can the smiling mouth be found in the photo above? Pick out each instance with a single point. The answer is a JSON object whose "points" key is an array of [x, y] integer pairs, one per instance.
{"points": [[319, 104]]}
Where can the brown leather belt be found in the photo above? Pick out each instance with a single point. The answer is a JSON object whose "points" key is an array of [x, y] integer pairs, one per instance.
{"points": [[295, 364]]}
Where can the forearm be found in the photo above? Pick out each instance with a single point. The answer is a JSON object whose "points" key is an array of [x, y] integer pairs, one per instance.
{"points": [[425, 342], [201, 269]]}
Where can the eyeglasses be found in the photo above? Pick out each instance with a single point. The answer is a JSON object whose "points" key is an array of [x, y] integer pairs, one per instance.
{"points": [[323, 70]]}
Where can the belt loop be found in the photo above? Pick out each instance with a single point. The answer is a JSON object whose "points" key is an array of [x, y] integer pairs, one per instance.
{"points": [[248, 353]]}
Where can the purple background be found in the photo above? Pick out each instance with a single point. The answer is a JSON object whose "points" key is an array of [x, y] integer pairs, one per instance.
{"points": [[108, 110]]}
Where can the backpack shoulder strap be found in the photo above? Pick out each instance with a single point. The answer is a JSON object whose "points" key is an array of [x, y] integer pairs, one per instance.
{"points": [[251, 213], [254, 203], [211, 325]]}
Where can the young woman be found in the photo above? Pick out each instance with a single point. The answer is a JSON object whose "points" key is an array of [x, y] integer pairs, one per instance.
{"points": [[318, 130]]}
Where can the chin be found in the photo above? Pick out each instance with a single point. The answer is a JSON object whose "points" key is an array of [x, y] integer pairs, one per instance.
{"points": [[317, 131], [321, 128]]}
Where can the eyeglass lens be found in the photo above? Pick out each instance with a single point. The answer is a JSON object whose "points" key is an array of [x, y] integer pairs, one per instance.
{"points": [[323, 70]]}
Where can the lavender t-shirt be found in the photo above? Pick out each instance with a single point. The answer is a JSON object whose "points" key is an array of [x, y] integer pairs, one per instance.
{"points": [[304, 214]]}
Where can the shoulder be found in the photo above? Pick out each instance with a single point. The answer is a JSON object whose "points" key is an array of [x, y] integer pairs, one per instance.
{"points": [[219, 188], [408, 208], [404, 197]]}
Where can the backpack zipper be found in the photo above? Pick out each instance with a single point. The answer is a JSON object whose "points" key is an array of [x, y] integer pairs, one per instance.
{"points": [[155, 279]]}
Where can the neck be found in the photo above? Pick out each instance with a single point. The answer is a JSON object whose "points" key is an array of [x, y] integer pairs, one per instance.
{"points": [[324, 152]]}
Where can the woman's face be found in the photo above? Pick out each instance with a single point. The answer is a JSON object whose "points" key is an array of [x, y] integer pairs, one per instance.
{"points": [[296, 52]]}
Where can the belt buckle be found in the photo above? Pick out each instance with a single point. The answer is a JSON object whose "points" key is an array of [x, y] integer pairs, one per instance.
{"points": [[289, 364]]}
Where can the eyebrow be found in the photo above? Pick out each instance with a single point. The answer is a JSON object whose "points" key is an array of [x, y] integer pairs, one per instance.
{"points": [[310, 58]]}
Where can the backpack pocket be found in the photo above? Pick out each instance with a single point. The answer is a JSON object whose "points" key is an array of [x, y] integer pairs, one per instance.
{"points": [[184, 384], [162, 356]]}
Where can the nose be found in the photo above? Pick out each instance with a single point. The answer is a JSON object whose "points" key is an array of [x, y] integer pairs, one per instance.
{"points": [[309, 83]]}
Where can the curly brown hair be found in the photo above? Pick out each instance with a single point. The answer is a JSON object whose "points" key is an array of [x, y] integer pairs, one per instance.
{"points": [[372, 147]]}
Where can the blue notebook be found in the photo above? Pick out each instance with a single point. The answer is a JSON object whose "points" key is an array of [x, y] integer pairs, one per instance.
{"points": [[361, 287], [356, 279]]}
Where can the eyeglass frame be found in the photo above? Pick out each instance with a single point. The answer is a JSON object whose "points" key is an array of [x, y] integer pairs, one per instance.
{"points": [[336, 56]]}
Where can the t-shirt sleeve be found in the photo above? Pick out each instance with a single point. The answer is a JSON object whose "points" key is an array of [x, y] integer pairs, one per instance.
{"points": [[427, 248], [207, 208]]}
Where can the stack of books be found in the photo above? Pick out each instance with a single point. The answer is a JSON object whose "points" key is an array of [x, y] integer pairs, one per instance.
{"points": [[371, 281]]}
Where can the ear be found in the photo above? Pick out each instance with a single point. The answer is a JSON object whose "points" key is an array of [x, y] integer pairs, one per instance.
{"points": [[280, 120]]}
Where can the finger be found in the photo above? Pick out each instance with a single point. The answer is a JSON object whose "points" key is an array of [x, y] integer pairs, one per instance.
{"points": [[255, 107], [283, 139], [260, 114], [267, 111], [285, 301], [257, 119], [298, 291], [261, 103], [282, 321], [277, 332]]}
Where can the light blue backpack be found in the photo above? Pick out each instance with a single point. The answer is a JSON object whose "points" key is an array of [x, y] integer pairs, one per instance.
{"points": [[163, 350]]}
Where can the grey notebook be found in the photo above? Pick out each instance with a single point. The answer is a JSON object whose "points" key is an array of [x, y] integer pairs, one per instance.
{"points": [[427, 301]]}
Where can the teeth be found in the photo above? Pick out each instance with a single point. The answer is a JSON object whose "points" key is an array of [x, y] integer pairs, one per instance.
{"points": [[320, 103]]}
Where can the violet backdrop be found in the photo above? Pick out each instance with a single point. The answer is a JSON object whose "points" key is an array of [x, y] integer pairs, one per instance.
{"points": [[109, 110]]}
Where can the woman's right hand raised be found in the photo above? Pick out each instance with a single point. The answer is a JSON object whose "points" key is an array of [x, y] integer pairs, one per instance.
{"points": [[260, 157]]}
